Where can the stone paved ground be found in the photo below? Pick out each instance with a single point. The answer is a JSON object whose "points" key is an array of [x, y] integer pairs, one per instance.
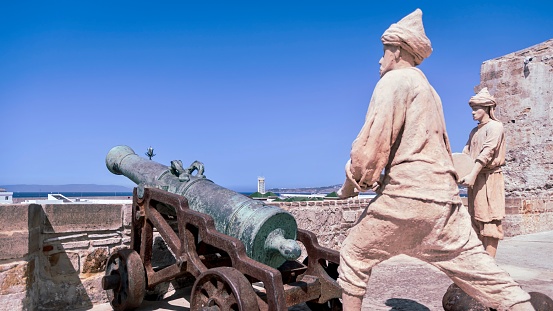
{"points": [[406, 284]]}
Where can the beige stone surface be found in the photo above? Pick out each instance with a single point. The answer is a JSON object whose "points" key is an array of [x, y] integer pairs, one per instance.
{"points": [[14, 245], [81, 217], [19, 217], [19, 230]]}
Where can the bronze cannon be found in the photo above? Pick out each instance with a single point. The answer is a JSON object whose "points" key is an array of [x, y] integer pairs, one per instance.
{"points": [[268, 232], [223, 240]]}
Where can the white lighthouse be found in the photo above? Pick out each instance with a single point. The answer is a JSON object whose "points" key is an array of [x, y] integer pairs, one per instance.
{"points": [[261, 185]]}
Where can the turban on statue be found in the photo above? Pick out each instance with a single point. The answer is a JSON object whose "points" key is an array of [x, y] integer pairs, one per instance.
{"points": [[409, 34], [484, 99]]}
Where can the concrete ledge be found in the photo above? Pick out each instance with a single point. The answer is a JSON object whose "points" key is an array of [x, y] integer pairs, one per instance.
{"points": [[19, 217], [15, 245], [81, 217], [19, 230]]}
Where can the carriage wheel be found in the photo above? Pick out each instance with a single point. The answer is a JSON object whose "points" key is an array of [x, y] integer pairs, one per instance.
{"points": [[334, 304], [125, 281], [223, 289]]}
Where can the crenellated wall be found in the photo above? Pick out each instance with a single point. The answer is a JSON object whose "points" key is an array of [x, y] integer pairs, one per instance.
{"points": [[52, 257]]}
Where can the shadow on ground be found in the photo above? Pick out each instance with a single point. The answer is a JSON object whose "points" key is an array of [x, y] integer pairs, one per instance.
{"points": [[397, 304]]}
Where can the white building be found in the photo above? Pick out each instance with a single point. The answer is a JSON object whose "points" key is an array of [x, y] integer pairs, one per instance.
{"points": [[57, 198], [261, 185], [6, 197]]}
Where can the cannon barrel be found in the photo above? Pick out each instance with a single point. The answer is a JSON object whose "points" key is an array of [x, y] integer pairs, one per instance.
{"points": [[268, 232]]}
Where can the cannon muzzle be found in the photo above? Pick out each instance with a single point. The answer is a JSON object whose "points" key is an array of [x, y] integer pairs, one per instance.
{"points": [[268, 232]]}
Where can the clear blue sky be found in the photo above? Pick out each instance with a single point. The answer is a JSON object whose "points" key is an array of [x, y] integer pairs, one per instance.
{"points": [[263, 88]]}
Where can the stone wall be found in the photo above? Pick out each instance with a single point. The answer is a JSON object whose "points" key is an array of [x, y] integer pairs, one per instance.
{"points": [[331, 220], [52, 257], [522, 83], [19, 246]]}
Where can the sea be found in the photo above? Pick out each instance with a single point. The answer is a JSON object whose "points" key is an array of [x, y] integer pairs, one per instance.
{"points": [[81, 194], [71, 194]]}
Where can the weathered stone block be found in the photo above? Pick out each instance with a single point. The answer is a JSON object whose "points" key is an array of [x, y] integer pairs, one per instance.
{"points": [[95, 261], [60, 238], [19, 230], [61, 265], [17, 277], [349, 216], [127, 215], [103, 242], [15, 245], [81, 217], [69, 294], [93, 285], [19, 217], [57, 246], [16, 302]]}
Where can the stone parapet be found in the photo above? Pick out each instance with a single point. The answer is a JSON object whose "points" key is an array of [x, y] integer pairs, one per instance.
{"points": [[53, 257], [76, 217], [331, 220]]}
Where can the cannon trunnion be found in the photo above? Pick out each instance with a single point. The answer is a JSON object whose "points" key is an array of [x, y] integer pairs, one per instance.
{"points": [[244, 263]]}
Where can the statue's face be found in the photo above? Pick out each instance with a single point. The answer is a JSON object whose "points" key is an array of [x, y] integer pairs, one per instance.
{"points": [[389, 59], [479, 113]]}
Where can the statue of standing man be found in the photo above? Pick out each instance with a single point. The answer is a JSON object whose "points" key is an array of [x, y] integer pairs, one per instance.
{"points": [[417, 210], [486, 186]]}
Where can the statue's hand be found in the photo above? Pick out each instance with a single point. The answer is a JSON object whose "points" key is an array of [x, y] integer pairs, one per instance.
{"points": [[376, 186], [468, 180], [345, 193]]}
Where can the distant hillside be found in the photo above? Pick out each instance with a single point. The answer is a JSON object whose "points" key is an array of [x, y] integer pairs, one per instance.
{"points": [[327, 189], [66, 188]]}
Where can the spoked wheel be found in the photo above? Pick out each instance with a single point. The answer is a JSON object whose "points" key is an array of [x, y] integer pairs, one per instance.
{"points": [[223, 289], [125, 281], [334, 304]]}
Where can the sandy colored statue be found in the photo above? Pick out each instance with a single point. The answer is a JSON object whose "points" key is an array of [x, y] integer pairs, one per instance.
{"points": [[486, 186], [417, 210]]}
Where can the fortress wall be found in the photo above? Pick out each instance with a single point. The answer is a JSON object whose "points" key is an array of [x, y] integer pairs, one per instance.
{"points": [[53, 256], [522, 83]]}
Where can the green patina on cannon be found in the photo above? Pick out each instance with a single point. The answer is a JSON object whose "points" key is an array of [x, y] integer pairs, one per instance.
{"points": [[268, 232]]}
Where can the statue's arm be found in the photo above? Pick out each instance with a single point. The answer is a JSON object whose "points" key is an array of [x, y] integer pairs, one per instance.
{"points": [[371, 149]]}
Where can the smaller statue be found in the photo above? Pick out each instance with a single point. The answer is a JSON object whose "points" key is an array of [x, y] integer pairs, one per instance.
{"points": [[485, 182]]}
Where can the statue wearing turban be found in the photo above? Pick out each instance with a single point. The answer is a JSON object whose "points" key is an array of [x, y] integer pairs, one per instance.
{"points": [[486, 186], [417, 210]]}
